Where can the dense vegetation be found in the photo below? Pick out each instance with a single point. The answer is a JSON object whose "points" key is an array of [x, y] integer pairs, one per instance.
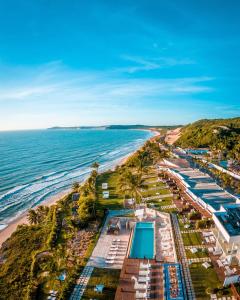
{"points": [[220, 135]]}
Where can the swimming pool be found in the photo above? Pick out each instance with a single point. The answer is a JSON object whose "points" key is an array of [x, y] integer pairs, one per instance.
{"points": [[143, 241]]}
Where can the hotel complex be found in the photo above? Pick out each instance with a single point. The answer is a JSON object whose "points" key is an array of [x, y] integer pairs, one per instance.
{"points": [[156, 245]]}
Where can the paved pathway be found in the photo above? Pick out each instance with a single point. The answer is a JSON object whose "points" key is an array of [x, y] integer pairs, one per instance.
{"points": [[199, 259], [183, 259], [196, 246], [191, 230], [81, 283], [168, 206]]}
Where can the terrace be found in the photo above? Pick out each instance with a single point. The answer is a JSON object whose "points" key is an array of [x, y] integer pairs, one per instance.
{"points": [[130, 288], [161, 281]]}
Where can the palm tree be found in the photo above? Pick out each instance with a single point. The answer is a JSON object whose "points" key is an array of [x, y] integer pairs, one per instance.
{"points": [[141, 161], [75, 186], [123, 186], [42, 212], [95, 165], [32, 216], [132, 184]]}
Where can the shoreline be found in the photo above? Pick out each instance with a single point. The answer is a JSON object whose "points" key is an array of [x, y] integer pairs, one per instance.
{"points": [[6, 232]]}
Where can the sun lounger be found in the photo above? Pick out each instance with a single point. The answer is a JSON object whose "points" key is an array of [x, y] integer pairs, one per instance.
{"points": [[144, 272], [109, 261], [137, 285], [143, 279], [144, 266], [111, 257], [112, 253], [140, 295]]}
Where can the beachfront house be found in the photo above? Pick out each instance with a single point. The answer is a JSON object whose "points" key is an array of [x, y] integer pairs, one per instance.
{"points": [[104, 185]]}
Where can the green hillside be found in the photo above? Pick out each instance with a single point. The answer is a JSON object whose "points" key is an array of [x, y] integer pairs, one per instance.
{"points": [[218, 134]]}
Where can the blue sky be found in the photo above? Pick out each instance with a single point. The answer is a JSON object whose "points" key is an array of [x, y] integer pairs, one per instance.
{"points": [[99, 62]]}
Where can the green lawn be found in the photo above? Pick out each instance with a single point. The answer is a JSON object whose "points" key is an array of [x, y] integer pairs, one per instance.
{"points": [[203, 279], [164, 202], [191, 239], [201, 253], [182, 228], [115, 200], [109, 278]]}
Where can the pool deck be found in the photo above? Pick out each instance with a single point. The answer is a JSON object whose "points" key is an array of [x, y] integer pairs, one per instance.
{"points": [[126, 291], [100, 252]]}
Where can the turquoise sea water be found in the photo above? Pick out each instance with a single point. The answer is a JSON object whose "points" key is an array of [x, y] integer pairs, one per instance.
{"points": [[143, 241], [35, 165]]}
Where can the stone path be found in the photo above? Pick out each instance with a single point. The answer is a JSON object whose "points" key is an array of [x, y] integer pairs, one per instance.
{"points": [[81, 284], [199, 260], [168, 206], [191, 230], [197, 246], [183, 259]]}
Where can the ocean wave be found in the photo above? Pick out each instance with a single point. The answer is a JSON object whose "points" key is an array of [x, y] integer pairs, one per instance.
{"points": [[64, 169]]}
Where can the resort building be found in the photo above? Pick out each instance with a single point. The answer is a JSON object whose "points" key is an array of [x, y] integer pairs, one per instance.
{"points": [[200, 187], [227, 232]]}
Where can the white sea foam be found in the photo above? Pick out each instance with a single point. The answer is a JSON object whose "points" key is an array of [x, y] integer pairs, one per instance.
{"points": [[20, 198]]}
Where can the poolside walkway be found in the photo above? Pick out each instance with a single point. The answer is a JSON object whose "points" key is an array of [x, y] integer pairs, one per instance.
{"points": [[183, 259]]}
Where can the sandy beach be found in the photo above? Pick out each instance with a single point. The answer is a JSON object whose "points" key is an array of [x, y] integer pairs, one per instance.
{"points": [[6, 232]]}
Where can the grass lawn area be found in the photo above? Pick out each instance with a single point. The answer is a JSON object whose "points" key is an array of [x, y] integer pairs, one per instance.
{"points": [[191, 239], [164, 202], [115, 200], [182, 228], [205, 278], [109, 278], [201, 253]]}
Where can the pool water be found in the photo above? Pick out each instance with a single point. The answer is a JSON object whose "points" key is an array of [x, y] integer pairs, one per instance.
{"points": [[143, 241]]}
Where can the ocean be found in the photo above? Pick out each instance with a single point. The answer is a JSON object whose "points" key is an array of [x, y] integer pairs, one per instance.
{"points": [[36, 165]]}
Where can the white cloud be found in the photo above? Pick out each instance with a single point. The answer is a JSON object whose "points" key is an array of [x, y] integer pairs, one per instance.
{"points": [[63, 95], [145, 64]]}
